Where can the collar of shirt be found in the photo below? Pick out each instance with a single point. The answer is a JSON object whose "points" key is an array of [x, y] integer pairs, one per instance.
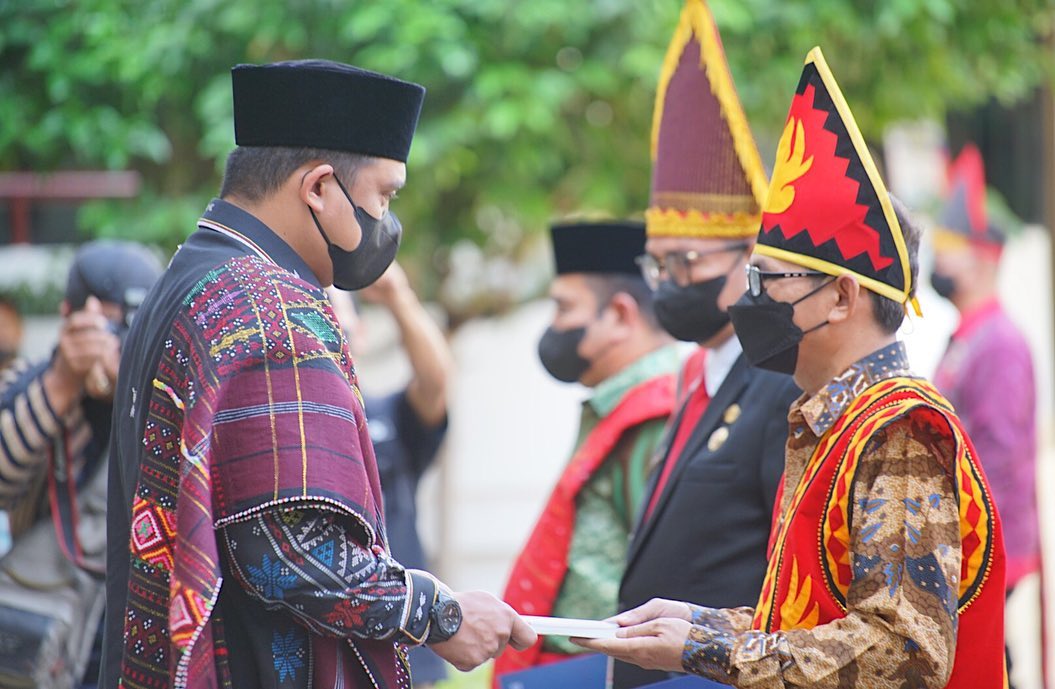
{"points": [[241, 226], [609, 392], [976, 317], [822, 409], [718, 363]]}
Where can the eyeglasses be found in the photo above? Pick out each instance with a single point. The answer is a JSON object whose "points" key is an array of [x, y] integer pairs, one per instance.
{"points": [[678, 264], [756, 278]]}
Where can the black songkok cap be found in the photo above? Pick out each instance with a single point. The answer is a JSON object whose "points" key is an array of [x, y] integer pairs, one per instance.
{"points": [[324, 104], [598, 247]]}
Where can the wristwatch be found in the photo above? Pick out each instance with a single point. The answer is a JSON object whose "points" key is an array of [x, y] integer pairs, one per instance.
{"points": [[445, 617]]}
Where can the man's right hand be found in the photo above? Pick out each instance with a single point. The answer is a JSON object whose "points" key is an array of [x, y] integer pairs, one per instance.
{"points": [[488, 625]]}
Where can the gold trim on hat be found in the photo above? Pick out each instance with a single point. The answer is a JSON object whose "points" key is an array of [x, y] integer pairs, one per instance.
{"points": [[705, 203], [696, 20], [836, 270], [668, 222]]}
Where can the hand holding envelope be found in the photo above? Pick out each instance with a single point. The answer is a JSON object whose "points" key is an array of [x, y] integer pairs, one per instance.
{"points": [[651, 636]]}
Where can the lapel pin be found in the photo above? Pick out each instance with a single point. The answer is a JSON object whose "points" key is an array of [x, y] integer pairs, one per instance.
{"points": [[718, 438]]}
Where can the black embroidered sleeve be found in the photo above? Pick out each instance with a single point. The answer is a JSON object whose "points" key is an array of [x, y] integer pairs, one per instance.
{"points": [[307, 562]]}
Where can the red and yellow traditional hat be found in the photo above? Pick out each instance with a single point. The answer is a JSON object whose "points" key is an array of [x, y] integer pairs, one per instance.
{"points": [[964, 220], [827, 208], [707, 176]]}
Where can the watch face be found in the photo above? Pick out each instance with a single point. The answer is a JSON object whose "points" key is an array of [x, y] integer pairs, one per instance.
{"points": [[450, 618]]}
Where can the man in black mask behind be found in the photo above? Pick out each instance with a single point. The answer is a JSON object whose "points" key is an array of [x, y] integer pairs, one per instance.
{"points": [[605, 336], [705, 524]]}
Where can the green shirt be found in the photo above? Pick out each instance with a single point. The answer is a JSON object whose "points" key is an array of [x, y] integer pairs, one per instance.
{"points": [[606, 507]]}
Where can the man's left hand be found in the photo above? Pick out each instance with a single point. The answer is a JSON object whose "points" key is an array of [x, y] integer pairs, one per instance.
{"points": [[654, 645]]}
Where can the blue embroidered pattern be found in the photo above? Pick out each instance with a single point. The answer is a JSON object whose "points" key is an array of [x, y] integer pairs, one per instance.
{"points": [[269, 580], [288, 650]]}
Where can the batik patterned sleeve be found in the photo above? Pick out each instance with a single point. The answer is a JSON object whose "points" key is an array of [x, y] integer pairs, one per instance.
{"points": [[725, 620], [28, 424], [310, 564], [900, 626]]}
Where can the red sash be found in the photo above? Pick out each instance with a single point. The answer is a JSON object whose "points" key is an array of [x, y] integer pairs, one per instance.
{"points": [[810, 570], [539, 571]]}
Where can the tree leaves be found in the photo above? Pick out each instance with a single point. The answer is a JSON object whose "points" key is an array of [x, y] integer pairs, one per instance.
{"points": [[534, 109]]}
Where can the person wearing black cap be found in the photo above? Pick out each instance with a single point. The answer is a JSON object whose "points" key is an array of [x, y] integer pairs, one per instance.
{"points": [[251, 547], [605, 336], [54, 440]]}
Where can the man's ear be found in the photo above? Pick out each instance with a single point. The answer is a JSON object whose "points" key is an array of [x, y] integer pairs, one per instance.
{"points": [[625, 309], [310, 188], [848, 299]]}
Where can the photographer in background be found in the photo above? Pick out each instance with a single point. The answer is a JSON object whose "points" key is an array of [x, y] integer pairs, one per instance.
{"points": [[54, 442]]}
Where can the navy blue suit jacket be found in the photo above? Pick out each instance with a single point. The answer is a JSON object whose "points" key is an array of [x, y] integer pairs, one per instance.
{"points": [[706, 540]]}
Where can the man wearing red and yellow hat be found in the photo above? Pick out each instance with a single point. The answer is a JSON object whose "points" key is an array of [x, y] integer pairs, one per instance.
{"points": [[886, 565]]}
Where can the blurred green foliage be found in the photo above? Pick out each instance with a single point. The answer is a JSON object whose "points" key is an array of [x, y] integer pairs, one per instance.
{"points": [[535, 108]]}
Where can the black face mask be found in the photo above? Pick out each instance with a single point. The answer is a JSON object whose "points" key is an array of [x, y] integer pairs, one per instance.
{"points": [[943, 284], [559, 352], [690, 313], [7, 356], [767, 331], [377, 249]]}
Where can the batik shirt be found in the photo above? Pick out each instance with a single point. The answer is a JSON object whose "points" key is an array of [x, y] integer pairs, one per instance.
{"points": [[895, 634]]}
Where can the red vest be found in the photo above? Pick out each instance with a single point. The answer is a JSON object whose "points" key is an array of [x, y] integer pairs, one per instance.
{"points": [[809, 568], [538, 572]]}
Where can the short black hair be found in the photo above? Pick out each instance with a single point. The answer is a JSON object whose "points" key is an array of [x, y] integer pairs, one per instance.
{"points": [[889, 313], [606, 285], [255, 172]]}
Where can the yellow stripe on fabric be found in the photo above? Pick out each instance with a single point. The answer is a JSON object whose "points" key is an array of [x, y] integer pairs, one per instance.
{"points": [[816, 58], [300, 396], [270, 389]]}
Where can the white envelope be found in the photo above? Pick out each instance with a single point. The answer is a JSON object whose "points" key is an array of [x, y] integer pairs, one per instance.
{"points": [[560, 626]]}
